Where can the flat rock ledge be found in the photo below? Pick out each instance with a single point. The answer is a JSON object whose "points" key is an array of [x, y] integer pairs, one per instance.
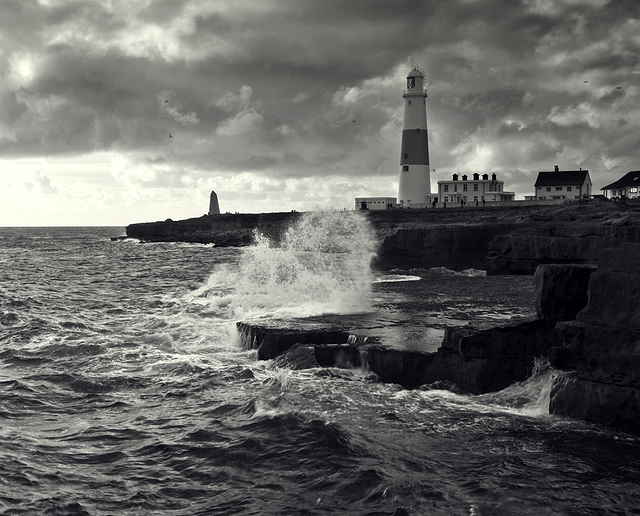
{"points": [[471, 359]]}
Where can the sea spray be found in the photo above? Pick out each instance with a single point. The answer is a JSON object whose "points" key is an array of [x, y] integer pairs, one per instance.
{"points": [[528, 397], [320, 265]]}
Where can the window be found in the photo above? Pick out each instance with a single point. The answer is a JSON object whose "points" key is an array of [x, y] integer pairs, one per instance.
{"points": [[475, 198], [558, 189], [475, 187], [446, 188], [464, 187], [455, 188], [405, 168], [465, 199], [633, 189], [568, 188], [406, 155], [539, 188], [446, 199], [548, 188]]}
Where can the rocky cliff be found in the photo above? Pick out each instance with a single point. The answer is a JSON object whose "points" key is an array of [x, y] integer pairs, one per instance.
{"points": [[600, 349], [522, 250], [501, 240], [588, 325], [487, 360], [225, 230]]}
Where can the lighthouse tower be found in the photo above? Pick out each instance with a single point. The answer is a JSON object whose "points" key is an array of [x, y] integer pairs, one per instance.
{"points": [[415, 177]]}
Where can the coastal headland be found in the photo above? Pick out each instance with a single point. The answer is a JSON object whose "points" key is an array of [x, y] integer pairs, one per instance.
{"points": [[500, 239], [585, 264]]}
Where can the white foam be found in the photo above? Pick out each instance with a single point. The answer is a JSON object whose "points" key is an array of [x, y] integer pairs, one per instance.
{"points": [[321, 265]]}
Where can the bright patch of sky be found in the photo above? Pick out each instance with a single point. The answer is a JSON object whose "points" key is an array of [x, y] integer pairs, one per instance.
{"points": [[115, 111]]}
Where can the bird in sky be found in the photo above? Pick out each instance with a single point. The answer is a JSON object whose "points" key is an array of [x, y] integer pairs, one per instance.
{"points": [[170, 136]]}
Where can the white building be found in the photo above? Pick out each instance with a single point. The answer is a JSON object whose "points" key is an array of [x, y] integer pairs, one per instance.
{"points": [[375, 203], [627, 187], [472, 192], [569, 184]]}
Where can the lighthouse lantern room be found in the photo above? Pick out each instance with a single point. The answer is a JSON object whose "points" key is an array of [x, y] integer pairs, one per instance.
{"points": [[415, 180]]}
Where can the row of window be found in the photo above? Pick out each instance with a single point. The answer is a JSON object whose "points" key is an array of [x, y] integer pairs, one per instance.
{"points": [[558, 188], [632, 189], [457, 199], [492, 187]]}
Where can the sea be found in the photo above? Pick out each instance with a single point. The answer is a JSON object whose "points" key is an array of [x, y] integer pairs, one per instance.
{"points": [[125, 388]]}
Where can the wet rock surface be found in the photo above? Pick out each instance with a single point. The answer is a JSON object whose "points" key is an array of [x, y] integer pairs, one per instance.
{"points": [[561, 290], [601, 347]]}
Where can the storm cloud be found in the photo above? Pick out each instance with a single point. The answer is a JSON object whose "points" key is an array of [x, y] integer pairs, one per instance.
{"points": [[292, 104]]}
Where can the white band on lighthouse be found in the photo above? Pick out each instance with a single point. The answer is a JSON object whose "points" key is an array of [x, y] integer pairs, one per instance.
{"points": [[415, 178]]}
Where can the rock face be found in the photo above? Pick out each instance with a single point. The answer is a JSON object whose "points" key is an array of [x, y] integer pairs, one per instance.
{"points": [[476, 361], [490, 360], [601, 347], [522, 250], [300, 349], [561, 290], [271, 342], [501, 240], [456, 247]]}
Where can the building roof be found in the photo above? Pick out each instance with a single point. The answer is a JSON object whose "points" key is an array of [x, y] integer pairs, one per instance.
{"points": [[630, 179], [562, 178]]}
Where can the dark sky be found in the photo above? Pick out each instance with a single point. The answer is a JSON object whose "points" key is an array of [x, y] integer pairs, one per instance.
{"points": [[297, 104]]}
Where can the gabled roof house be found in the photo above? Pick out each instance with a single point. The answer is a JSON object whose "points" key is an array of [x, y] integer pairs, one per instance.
{"points": [[627, 186], [566, 184]]}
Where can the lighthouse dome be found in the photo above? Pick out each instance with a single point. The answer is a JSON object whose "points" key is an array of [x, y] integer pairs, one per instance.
{"points": [[416, 72]]}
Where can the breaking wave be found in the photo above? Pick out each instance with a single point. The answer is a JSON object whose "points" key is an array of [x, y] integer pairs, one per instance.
{"points": [[320, 265]]}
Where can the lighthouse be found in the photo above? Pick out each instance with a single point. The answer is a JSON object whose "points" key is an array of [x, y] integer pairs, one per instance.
{"points": [[415, 178]]}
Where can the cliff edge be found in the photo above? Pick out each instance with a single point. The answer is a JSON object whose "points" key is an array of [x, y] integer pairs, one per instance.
{"points": [[499, 239]]}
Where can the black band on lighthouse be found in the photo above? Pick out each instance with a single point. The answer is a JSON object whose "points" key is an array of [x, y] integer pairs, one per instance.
{"points": [[415, 148]]}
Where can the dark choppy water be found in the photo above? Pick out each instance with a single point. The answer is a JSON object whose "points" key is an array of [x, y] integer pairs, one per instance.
{"points": [[122, 391]]}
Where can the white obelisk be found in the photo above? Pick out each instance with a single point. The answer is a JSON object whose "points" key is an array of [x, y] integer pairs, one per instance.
{"points": [[415, 176], [214, 207]]}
